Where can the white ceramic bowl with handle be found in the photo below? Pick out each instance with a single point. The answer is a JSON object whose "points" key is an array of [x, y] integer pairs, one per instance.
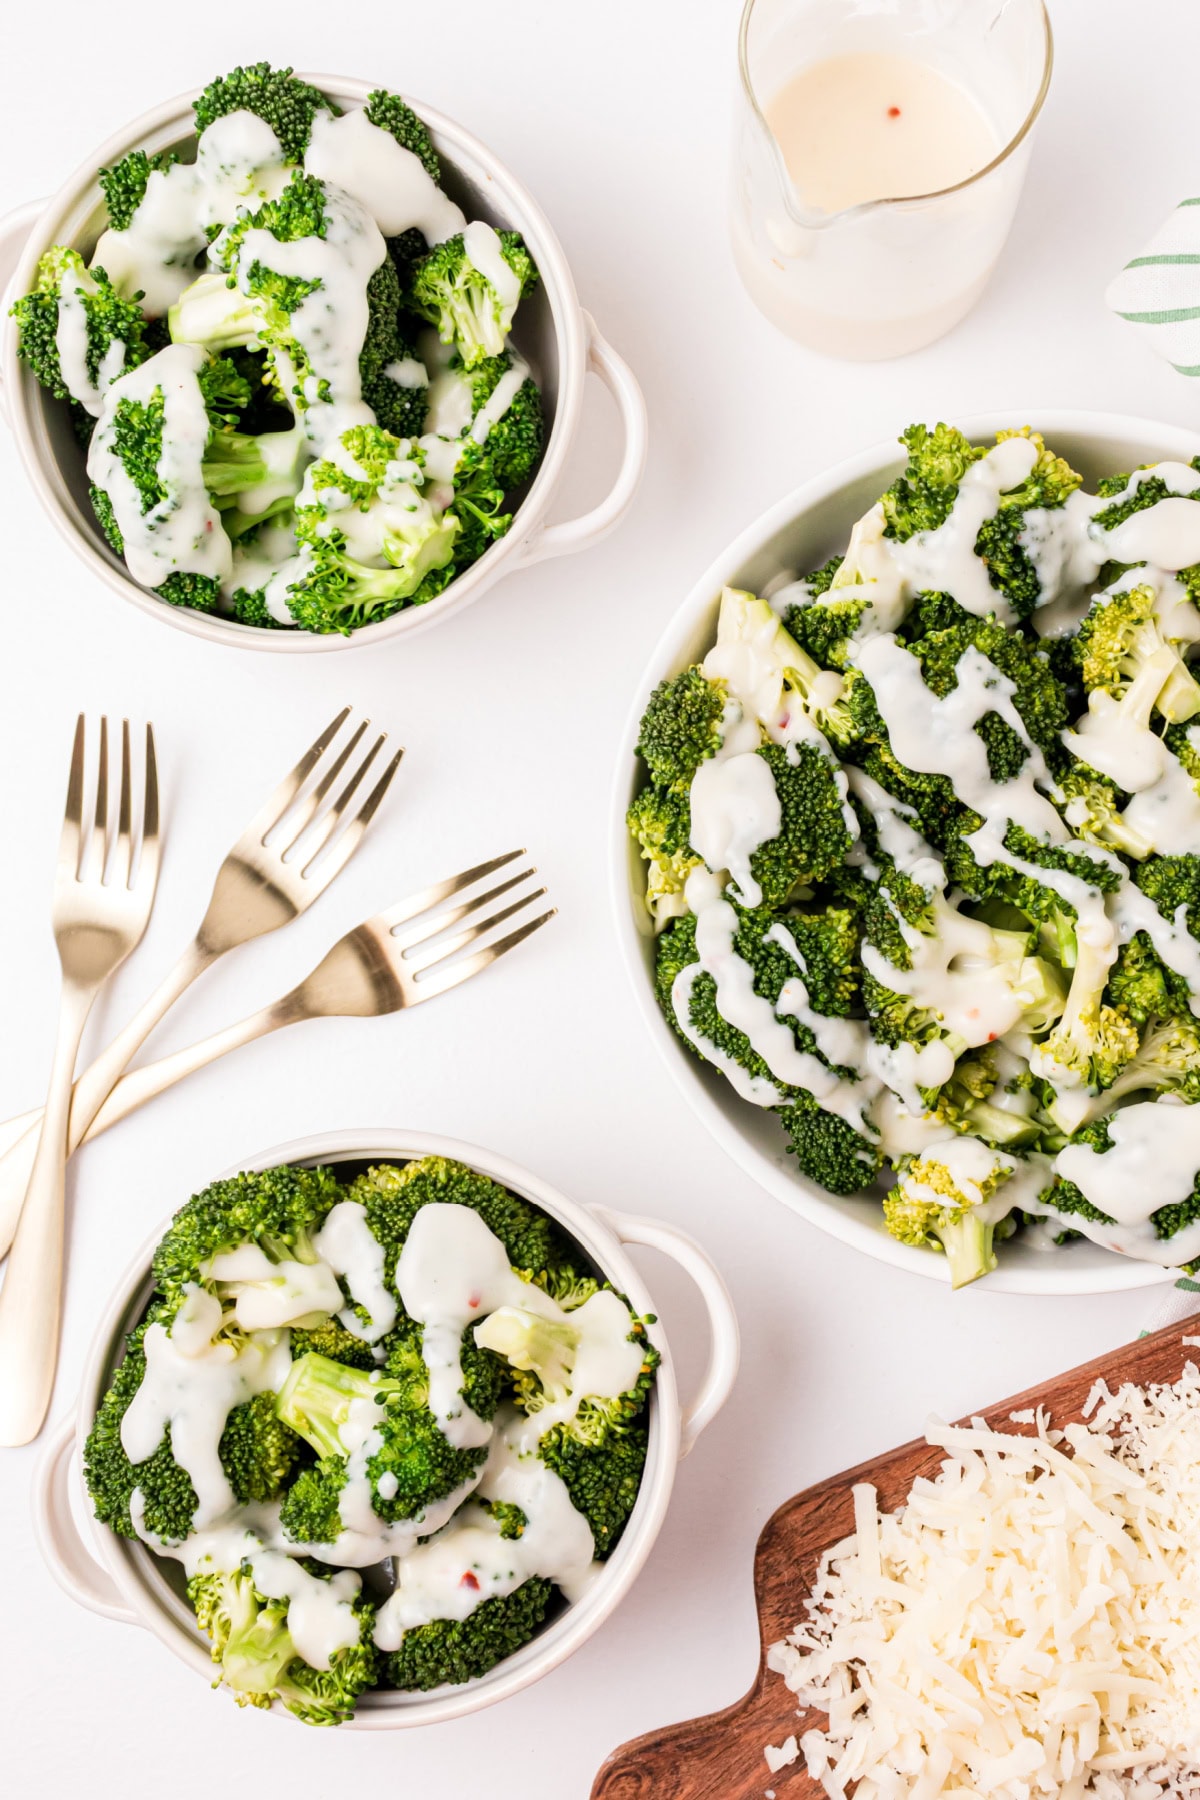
{"points": [[123, 1580], [800, 532], [559, 340]]}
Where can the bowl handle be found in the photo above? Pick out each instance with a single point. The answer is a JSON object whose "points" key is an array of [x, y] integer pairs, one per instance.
{"points": [[577, 534], [63, 1550], [724, 1345], [15, 228]]}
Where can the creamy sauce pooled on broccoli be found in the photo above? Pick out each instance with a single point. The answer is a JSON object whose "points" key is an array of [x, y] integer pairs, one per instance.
{"points": [[389, 181]]}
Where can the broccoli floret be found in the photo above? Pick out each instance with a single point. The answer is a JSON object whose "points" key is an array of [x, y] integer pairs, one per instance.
{"points": [[391, 113], [286, 103], [1173, 882], [785, 675], [393, 1197], [967, 1103], [602, 1479], [280, 1210], [236, 463], [1090, 804], [660, 820], [257, 1452], [943, 1201], [399, 408], [415, 1464], [923, 497], [1147, 493], [1039, 697], [124, 185], [1167, 1059], [813, 836], [1066, 1197], [681, 727], [449, 291], [828, 1149], [332, 1340], [451, 1651], [1009, 565], [115, 328], [1142, 986], [478, 506], [1122, 653], [256, 1654], [540, 1353], [515, 440], [825, 627]]}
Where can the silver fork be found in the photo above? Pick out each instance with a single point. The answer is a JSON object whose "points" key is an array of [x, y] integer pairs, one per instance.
{"points": [[268, 879], [377, 968], [101, 907]]}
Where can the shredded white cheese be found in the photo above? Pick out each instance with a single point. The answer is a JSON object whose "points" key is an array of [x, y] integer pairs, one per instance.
{"points": [[1027, 1625]]}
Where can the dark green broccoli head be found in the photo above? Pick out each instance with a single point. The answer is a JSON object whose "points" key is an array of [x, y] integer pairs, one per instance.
{"points": [[115, 327], [332, 1340], [826, 628], [451, 1651], [1173, 882], [923, 497], [286, 103], [478, 505], [1146, 493], [1142, 985], [257, 1453], [258, 1659], [813, 835], [1039, 697], [124, 185], [602, 1479], [1010, 567], [399, 409], [280, 1210], [393, 1197], [393, 114], [681, 727], [516, 439], [828, 1149]]}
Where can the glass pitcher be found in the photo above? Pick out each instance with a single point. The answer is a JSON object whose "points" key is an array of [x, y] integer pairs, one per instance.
{"points": [[887, 276]]}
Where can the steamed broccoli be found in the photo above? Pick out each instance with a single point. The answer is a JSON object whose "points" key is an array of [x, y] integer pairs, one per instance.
{"points": [[660, 820], [391, 113], [1173, 883], [922, 498], [287, 104], [681, 727], [415, 1463], [256, 1652], [1122, 653], [114, 331], [943, 1199], [257, 1451], [393, 1196], [1065, 1196], [828, 1149], [451, 1651], [280, 1210], [515, 440], [469, 311], [124, 185]]}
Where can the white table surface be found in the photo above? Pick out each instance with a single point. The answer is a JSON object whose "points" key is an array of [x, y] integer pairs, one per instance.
{"points": [[617, 118]]}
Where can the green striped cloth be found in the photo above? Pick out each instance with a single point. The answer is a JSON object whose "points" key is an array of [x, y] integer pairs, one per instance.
{"points": [[1179, 1302], [1160, 289]]}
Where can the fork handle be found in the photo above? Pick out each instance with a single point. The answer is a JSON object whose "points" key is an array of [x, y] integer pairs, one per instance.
{"points": [[91, 1090], [31, 1299]]}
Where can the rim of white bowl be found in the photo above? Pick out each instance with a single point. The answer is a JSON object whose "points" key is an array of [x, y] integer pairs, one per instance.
{"points": [[171, 122], [137, 1572], [857, 1223]]}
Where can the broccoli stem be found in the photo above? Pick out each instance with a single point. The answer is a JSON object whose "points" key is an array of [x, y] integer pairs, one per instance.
{"points": [[967, 1240]]}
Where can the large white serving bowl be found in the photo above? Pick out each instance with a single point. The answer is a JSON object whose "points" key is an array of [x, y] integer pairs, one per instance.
{"points": [[122, 1580], [800, 532], [558, 339]]}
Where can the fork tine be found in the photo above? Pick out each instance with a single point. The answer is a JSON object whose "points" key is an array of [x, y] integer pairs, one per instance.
{"points": [[471, 965], [123, 852], [69, 843], [99, 847], [442, 921], [274, 809], [348, 842], [334, 812], [306, 810], [443, 952], [148, 856], [441, 890]]}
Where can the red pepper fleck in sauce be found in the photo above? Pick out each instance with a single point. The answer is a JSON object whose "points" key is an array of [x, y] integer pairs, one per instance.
{"points": [[473, 1301], [470, 1581], [893, 112]]}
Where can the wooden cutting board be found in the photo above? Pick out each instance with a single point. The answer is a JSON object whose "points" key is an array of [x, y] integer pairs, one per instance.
{"points": [[720, 1757]]}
